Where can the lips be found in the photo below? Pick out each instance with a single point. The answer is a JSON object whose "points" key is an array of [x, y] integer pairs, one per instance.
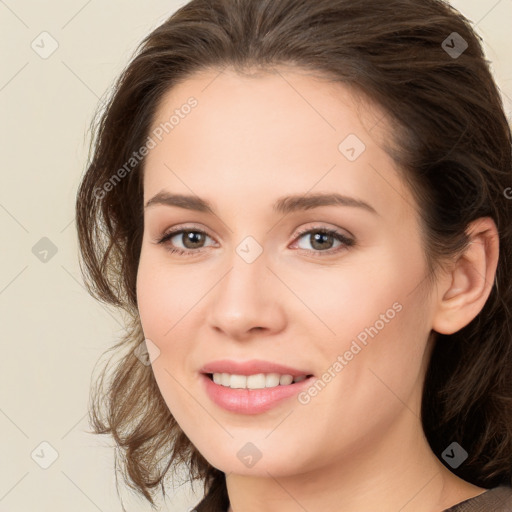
{"points": [[252, 401], [251, 367]]}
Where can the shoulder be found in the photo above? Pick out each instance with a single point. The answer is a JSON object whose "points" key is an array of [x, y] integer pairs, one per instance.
{"points": [[498, 499]]}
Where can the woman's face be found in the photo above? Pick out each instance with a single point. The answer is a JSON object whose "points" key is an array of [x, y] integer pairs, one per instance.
{"points": [[261, 282]]}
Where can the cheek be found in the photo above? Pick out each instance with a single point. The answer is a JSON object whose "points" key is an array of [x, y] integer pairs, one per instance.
{"points": [[162, 301], [152, 300], [380, 322], [165, 293], [373, 373], [369, 295]]}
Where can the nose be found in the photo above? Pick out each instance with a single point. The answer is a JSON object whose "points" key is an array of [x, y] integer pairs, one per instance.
{"points": [[249, 300]]}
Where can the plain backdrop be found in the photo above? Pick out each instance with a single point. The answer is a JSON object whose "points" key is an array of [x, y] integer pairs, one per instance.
{"points": [[53, 333]]}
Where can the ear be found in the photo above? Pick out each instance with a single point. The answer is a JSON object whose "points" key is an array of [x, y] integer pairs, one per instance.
{"points": [[464, 290]]}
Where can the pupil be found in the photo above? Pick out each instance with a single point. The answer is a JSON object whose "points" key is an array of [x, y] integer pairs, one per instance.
{"points": [[319, 237], [194, 238]]}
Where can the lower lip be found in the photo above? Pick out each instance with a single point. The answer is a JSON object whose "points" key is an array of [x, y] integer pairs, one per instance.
{"points": [[251, 401]]}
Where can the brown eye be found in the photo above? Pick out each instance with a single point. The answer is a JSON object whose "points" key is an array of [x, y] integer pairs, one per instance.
{"points": [[190, 239], [322, 240]]}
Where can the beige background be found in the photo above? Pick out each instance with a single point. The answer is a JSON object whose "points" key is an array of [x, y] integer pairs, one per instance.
{"points": [[52, 332]]}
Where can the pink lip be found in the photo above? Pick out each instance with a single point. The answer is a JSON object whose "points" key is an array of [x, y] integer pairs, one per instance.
{"points": [[251, 401], [251, 367]]}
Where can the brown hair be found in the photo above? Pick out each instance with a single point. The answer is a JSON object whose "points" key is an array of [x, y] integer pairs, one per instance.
{"points": [[451, 140]]}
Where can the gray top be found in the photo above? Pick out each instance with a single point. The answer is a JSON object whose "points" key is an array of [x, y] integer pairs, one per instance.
{"points": [[498, 499]]}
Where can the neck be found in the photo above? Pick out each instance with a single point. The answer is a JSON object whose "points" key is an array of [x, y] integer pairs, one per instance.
{"points": [[400, 472]]}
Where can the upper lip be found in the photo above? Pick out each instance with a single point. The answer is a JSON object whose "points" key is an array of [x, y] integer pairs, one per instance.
{"points": [[251, 367]]}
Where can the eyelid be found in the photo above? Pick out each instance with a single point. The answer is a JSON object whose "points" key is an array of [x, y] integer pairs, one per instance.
{"points": [[345, 241], [182, 227], [323, 227], [297, 233]]}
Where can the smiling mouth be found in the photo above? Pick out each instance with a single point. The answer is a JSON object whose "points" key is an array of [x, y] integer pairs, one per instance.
{"points": [[255, 381]]}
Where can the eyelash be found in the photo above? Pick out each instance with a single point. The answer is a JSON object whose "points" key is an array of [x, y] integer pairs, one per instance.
{"points": [[345, 241]]}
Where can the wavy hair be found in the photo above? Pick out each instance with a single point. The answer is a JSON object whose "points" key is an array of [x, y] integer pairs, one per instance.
{"points": [[451, 142]]}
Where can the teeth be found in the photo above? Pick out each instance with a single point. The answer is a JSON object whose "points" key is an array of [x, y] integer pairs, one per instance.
{"points": [[225, 379], [257, 381], [238, 381], [272, 380], [285, 380]]}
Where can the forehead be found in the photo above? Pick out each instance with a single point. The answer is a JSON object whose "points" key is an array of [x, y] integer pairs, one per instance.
{"points": [[269, 134]]}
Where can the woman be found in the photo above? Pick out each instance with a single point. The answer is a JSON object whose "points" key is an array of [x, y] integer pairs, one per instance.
{"points": [[374, 373]]}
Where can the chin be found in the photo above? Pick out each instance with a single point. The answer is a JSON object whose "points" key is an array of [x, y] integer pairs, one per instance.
{"points": [[253, 459]]}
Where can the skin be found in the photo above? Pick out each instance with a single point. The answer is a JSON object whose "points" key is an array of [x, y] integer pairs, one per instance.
{"points": [[358, 445]]}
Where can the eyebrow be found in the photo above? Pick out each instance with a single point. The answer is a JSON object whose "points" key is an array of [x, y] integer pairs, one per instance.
{"points": [[284, 205]]}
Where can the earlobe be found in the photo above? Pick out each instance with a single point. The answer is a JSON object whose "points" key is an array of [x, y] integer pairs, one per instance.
{"points": [[470, 281]]}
